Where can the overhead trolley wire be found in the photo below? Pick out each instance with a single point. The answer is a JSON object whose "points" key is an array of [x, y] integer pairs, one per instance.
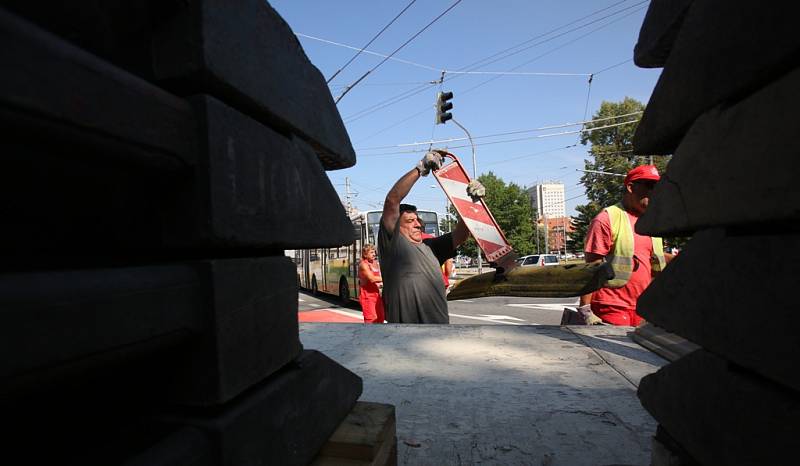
{"points": [[496, 77], [504, 141], [565, 32], [507, 133], [437, 69], [613, 66], [350, 87], [370, 41], [555, 49], [471, 67]]}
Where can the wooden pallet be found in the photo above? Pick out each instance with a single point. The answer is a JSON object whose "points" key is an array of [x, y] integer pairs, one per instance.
{"points": [[367, 436]]}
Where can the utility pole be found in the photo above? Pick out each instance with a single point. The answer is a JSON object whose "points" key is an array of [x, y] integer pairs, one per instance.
{"points": [[474, 176], [443, 115], [546, 245], [347, 195]]}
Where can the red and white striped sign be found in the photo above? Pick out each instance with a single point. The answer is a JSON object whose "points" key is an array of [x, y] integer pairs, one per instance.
{"points": [[454, 179]]}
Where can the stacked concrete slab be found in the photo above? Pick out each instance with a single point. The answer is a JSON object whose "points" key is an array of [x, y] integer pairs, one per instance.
{"points": [[723, 106], [158, 157]]}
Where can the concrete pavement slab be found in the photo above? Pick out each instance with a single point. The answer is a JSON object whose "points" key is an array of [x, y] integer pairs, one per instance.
{"points": [[469, 394]]}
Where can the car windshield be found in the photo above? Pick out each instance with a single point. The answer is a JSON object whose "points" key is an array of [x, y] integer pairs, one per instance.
{"points": [[532, 260]]}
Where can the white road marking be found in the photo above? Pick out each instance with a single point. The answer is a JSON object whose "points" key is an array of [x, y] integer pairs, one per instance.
{"points": [[313, 305], [465, 301], [501, 317], [301, 300], [486, 319], [544, 306]]}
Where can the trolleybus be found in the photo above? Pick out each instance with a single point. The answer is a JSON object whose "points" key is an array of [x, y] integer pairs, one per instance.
{"points": [[335, 270]]}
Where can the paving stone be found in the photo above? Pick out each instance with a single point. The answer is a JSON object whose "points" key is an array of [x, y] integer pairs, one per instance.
{"points": [[52, 85], [721, 414], [284, 420], [744, 153], [230, 322], [722, 53], [731, 294], [255, 188], [660, 28], [194, 47]]}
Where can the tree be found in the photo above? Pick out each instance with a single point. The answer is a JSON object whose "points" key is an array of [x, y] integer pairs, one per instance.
{"points": [[511, 207], [611, 150]]}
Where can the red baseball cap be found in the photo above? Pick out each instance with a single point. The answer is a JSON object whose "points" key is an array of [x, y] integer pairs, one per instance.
{"points": [[643, 172]]}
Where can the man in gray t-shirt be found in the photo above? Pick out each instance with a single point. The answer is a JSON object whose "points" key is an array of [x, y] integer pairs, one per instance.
{"points": [[413, 288]]}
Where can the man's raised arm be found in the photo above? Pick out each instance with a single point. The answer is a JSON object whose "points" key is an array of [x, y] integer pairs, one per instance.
{"points": [[391, 205]]}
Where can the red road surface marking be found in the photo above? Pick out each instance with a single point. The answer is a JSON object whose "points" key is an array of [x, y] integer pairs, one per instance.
{"points": [[325, 315]]}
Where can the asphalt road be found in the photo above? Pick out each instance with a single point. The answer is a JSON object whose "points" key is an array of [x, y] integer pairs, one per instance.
{"points": [[485, 311]]}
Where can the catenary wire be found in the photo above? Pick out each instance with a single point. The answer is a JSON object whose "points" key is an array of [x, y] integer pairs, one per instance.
{"points": [[350, 87], [541, 128], [471, 67], [495, 77], [370, 42], [587, 130]]}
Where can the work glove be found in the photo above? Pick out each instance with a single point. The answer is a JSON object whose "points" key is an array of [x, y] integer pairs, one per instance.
{"points": [[431, 161], [588, 315], [476, 190]]}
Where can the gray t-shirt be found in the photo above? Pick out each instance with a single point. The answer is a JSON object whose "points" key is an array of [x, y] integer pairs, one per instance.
{"points": [[413, 287]]}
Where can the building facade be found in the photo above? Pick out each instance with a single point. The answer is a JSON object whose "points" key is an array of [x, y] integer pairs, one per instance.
{"points": [[548, 200]]}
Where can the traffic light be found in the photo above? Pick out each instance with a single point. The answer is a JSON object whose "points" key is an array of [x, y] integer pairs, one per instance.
{"points": [[443, 107]]}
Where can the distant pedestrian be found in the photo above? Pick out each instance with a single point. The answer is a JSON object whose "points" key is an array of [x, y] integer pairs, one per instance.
{"points": [[370, 281], [447, 272], [447, 267]]}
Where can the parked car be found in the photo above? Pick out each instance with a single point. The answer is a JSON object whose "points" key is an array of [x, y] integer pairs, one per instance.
{"points": [[538, 260]]}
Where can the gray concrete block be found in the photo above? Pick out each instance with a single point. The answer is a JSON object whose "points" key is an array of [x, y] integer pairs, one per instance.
{"points": [[226, 324], [200, 49], [660, 28], [733, 167], [71, 319], [732, 295], [284, 420], [721, 414], [255, 188], [49, 84], [252, 329], [722, 53], [193, 47]]}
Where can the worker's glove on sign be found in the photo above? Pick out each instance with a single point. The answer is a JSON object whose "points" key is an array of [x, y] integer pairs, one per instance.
{"points": [[588, 316], [476, 190], [431, 161]]}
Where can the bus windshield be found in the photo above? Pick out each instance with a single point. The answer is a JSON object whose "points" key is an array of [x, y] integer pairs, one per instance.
{"points": [[430, 221]]}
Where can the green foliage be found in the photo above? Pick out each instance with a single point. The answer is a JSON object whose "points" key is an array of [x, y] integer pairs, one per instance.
{"points": [[511, 207], [611, 150]]}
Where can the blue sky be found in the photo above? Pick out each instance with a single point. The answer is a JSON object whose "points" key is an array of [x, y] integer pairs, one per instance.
{"points": [[473, 30]]}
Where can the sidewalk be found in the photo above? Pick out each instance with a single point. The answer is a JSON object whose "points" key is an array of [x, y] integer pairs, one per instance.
{"points": [[468, 394]]}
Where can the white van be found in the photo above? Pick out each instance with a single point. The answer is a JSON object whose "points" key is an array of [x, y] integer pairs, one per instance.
{"points": [[538, 260]]}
